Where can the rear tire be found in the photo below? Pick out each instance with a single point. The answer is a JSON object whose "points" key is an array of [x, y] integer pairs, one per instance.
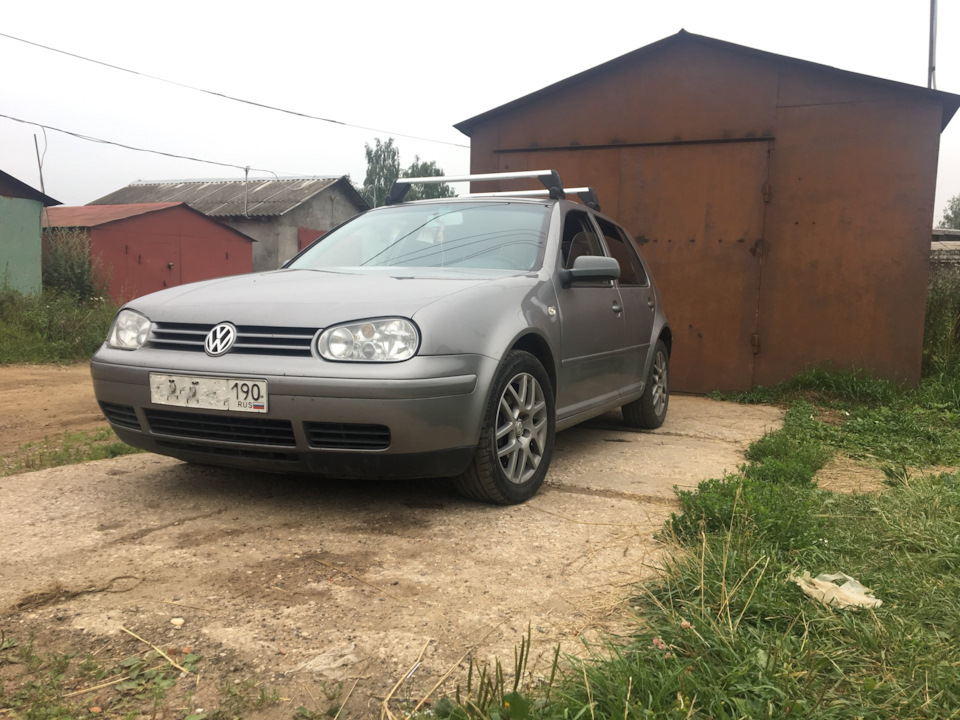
{"points": [[516, 439], [650, 409]]}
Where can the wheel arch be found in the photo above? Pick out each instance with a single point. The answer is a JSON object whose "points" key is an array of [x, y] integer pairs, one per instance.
{"points": [[666, 334], [538, 346]]}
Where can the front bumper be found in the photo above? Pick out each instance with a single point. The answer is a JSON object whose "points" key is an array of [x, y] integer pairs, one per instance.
{"points": [[430, 407]]}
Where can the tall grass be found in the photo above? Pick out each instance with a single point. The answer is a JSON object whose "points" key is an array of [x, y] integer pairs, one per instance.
{"points": [[941, 332], [69, 319], [49, 327]]}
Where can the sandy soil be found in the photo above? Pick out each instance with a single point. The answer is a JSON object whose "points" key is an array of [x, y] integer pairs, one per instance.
{"points": [[43, 400], [300, 584]]}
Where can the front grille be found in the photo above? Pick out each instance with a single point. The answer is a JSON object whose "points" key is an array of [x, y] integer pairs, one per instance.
{"points": [[251, 339], [347, 436], [231, 452], [228, 428], [122, 415]]}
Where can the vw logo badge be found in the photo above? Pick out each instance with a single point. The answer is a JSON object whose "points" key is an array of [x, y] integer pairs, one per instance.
{"points": [[220, 339]]}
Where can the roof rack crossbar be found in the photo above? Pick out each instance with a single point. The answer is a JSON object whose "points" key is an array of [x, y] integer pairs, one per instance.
{"points": [[549, 178], [586, 194]]}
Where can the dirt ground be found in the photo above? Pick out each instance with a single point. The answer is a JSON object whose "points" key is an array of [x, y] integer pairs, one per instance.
{"points": [[303, 584], [43, 400]]}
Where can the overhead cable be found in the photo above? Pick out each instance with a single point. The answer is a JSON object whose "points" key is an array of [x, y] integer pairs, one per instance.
{"points": [[90, 138], [230, 97]]}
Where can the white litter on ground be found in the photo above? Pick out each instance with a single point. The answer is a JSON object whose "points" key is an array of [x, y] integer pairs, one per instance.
{"points": [[826, 589]]}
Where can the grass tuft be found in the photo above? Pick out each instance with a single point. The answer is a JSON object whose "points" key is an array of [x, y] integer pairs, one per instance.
{"points": [[66, 449]]}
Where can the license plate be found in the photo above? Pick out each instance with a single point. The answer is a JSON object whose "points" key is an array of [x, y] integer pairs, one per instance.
{"points": [[211, 393]]}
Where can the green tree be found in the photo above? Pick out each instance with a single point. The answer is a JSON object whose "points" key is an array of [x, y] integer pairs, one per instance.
{"points": [[426, 192], [951, 214], [383, 167]]}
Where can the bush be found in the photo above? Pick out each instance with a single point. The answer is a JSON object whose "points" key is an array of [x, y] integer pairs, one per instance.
{"points": [[68, 267], [51, 327]]}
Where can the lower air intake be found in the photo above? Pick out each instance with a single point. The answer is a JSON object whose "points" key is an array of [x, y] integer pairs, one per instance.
{"points": [[227, 428], [347, 436]]}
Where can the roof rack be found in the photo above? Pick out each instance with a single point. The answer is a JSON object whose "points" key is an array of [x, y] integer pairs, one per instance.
{"points": [[586, 194], [550, 179]]}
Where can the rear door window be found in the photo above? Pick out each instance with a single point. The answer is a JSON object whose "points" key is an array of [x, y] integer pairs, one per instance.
{"points": [[631, 269]]}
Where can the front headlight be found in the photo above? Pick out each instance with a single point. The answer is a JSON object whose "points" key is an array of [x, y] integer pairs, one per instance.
{"points": [[129, 331], [383, 340]]}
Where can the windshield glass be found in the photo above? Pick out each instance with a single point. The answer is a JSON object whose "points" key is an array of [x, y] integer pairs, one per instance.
{"points": [[505, 236]]}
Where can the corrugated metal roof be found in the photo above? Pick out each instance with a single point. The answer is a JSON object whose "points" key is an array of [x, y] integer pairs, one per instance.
{"points": [[950, 102], [86, 216], [225, 198]]}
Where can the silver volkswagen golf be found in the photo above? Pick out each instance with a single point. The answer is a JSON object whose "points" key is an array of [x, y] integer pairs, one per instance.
{"points": [[440, 338]]}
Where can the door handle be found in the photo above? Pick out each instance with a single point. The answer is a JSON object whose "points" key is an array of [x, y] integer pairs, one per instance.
{"points": [[650, 303], [616, 307]]}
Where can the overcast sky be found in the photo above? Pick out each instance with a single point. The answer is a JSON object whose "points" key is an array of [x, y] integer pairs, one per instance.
{"points": [[412, 68]]}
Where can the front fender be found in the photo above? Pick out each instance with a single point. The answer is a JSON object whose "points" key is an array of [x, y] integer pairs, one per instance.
{"points": [[489, 319]]}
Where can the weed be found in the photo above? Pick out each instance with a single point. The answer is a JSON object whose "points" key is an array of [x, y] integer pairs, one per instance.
{"points": [[266, 698], [831, 389], [51, 327], [40, 689], [487, 697], [69, 268], [70, 448], [770, 496]]}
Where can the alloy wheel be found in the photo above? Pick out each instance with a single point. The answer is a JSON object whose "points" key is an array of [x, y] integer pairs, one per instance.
{"points": [[521, 428], [659, 382]]}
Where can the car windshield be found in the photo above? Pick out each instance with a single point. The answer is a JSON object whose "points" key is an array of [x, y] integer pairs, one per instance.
{"points": [[505, 236]]}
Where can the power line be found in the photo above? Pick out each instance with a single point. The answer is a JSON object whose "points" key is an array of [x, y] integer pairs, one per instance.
{"points": [[90, 138], [229, 97]]}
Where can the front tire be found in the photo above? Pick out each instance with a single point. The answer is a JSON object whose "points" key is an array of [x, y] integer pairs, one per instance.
{"points": [[650, 409], [516, 439]]}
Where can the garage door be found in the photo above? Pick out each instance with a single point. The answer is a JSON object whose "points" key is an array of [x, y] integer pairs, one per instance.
{"points": [[698, 212]]}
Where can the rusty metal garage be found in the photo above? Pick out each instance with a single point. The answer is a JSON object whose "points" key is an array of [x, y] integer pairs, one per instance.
{"points": [[785, 206]]}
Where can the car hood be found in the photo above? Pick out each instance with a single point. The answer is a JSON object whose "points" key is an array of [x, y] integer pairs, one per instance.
{"points": [[304, 298]]}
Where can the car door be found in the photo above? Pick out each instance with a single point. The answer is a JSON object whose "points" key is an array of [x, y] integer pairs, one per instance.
{"points": [[639, 303], [591, 327]]}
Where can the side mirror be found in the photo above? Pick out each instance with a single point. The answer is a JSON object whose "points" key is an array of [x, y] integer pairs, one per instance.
{"points": [[590, 268]]}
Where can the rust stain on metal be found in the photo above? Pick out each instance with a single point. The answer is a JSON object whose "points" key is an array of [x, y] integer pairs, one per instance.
{"points": [[685, 142]]}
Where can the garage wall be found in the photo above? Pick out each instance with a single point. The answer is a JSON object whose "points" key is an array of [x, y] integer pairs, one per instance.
{"points": [[20, 249], [785, 209], [846, 255], [167, 248], [278, 236]]}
